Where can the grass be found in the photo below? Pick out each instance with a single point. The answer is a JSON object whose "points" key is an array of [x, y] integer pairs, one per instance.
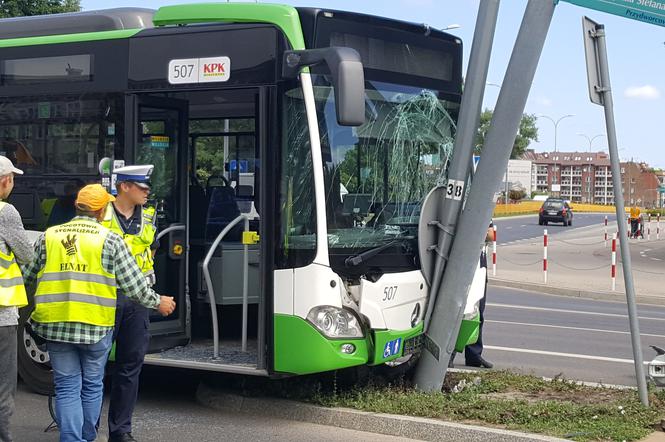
{"points": [[501, 399]]}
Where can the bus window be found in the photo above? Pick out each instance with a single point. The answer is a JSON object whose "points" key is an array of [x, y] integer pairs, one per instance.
{"points": [[58, 141]]}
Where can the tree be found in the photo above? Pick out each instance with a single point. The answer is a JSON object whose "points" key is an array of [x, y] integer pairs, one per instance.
{"points": [[20, 8], [527, 133]]}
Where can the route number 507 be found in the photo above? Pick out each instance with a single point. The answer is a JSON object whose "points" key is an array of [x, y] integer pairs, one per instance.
{"points": [[182, 71], [389, 293]]}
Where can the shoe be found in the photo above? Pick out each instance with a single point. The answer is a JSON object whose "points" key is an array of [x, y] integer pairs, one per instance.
{"points": [[480, 363], [124, 437]]}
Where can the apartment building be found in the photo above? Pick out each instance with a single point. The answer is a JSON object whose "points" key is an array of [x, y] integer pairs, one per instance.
{"points": [[583, 177], [586, 177]]}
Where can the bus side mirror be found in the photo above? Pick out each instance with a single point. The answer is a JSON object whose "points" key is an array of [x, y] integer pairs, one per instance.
{"points": [[347, 75]]}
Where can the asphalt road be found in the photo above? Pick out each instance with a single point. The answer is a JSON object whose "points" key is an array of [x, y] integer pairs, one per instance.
{"points": [[167, 411], [580, 339], [512, 229]]}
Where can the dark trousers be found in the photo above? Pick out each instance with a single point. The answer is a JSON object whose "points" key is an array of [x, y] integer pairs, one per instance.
{"points": [[7, 378], [131, 337]]}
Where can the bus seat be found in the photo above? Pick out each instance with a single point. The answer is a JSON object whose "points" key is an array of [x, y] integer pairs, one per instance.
{"points": [[222, 209]]}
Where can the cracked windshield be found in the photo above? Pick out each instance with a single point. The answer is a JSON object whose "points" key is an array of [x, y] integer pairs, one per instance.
{"points": [[377, 175]]}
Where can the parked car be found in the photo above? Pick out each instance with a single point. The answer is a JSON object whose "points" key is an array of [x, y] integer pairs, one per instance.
{"points": [[557, 211]]}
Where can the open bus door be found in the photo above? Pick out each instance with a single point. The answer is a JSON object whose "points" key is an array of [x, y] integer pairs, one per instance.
{"points": [[159, 137]]}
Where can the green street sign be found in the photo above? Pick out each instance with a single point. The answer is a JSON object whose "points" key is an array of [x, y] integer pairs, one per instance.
{"points": [[661, 189], [648, 11]]}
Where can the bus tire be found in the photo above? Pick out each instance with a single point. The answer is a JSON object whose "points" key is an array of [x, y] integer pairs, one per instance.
{"points": [[33, 365]]}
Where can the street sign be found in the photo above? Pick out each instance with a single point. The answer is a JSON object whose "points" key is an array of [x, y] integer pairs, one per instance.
{"points": [[648, 11], [661, 189], [589, 28]]}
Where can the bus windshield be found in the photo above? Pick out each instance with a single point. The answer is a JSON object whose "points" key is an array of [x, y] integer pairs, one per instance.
{"points": [[377, 175]]}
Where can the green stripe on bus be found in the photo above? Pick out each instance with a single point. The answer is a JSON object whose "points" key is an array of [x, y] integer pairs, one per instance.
{"points": [[284, 17], [301, 349], [68, 38]]}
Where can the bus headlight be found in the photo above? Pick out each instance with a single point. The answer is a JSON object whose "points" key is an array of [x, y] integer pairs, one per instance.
{"points": [[335, 322]]}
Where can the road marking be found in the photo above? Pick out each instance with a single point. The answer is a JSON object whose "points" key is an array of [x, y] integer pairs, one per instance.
{"points": [[572, 328], [656, 259], [561, 355], [578, 312]]}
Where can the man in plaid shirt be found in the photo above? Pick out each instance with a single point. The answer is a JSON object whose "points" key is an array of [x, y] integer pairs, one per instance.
{"points": [[79, 349]]}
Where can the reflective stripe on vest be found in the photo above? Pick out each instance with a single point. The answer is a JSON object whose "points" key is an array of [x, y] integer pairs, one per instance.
{"points": [[139, 244], [12, 291], [73, 285]]}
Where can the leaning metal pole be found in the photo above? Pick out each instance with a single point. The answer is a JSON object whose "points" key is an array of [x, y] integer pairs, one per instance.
{"points": [[465, 137], [608, 103], [479, 205]]}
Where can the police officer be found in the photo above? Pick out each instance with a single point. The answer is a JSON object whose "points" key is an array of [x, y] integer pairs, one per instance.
{"points": [[14, 246], [78, 266], [128, 217]]}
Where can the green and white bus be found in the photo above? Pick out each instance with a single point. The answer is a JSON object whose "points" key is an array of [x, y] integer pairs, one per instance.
{"points": [[287, 185]]}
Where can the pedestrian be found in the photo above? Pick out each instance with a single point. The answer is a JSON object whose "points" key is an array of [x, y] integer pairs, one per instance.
{"points": [[635, 216], [15, 249], [77, 268], [128, 217], [473, 352]]}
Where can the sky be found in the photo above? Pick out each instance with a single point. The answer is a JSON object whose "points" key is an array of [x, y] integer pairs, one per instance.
{"points": [[636, 53]]}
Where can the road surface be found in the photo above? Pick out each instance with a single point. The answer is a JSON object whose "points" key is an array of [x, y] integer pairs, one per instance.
{"points": [[511, 229]]}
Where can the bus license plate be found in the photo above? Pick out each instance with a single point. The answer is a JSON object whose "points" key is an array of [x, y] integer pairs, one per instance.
{"points": [[412, 345]]}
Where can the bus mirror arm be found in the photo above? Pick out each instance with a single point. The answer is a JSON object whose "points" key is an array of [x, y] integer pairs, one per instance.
{"points": [[348, 78]]}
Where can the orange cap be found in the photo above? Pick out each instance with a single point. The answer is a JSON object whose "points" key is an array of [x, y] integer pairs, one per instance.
{"points": [[93, 197]]}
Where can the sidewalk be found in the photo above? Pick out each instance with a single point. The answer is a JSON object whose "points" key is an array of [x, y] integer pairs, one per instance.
{"points": [[579, 264]]}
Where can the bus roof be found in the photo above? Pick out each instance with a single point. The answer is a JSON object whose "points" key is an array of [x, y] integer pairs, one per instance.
{"points": [[76, 22], [126, 22]]}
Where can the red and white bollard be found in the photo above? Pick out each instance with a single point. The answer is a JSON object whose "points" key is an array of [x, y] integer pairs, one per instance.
{"points": [[605, 230], [649, 229], [658, 227], [494, 252], [614, 262], [545, 256]]}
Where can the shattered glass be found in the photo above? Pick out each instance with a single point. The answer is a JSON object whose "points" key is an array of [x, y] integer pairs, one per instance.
{"points": [[377, 175]]}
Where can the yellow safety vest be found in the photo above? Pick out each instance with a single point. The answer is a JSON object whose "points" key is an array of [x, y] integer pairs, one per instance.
{"points": [[12, 291], [73, 285], [139, 244]]}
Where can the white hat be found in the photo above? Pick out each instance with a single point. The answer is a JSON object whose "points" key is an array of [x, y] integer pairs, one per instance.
{"points": [[7, 167], [138, 174]]}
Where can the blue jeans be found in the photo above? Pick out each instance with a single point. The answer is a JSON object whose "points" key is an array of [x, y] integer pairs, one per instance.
{"points": [[78, 373]]}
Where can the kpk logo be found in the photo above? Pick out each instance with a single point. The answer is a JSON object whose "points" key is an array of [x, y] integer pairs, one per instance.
{"points": [[214, 70], [69, 244]]}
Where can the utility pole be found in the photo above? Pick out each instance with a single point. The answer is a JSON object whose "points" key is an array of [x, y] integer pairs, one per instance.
{"points": [[472, 225]]}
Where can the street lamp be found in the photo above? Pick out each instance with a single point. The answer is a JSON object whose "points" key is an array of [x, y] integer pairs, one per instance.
{"points": [[451, 27], [590, 140], [556, 125]]}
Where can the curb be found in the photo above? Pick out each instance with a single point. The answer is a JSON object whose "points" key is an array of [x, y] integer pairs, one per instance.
{"points": [[574, 293], [378, 423]]}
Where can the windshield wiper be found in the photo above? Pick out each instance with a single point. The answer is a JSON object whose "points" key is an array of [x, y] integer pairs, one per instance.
{"points": [[356, 260]]}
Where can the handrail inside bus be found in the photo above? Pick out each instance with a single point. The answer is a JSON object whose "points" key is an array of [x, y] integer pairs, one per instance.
{"points": [[170, 229], [211, 290]]}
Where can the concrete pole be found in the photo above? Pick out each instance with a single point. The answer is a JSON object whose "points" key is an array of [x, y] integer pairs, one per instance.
{"points": [[465, 138], [472, 226]]}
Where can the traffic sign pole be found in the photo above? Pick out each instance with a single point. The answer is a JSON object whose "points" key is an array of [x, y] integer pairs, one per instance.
{"points": [[598, 67]]}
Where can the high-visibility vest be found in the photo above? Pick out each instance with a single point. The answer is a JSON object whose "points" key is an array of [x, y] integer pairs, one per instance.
{"points": [[73, 285], [12, 291], [139, 244]]}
